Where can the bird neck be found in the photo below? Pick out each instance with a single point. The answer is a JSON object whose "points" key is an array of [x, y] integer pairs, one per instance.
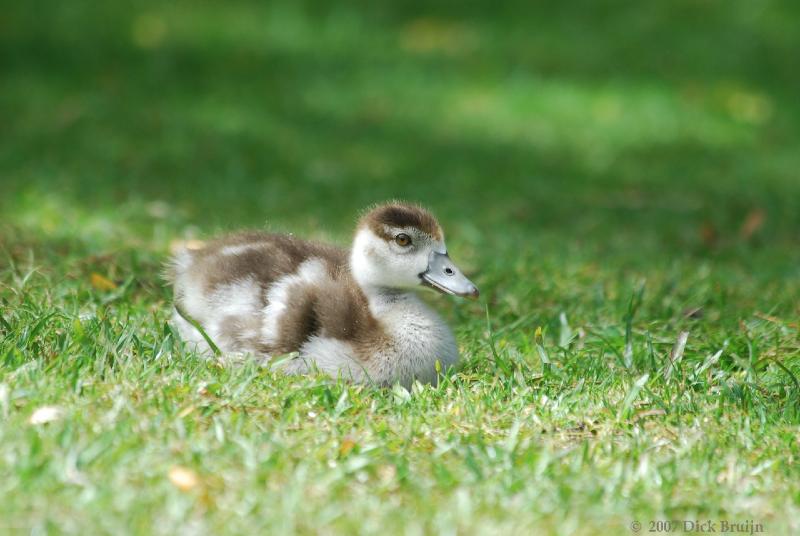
{"points": [[382, 300]]}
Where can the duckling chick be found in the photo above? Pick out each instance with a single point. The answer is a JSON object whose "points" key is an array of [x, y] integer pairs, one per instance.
{"points": [[348, 314]]}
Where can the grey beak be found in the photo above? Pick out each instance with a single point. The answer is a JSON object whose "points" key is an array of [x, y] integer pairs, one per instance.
{"points": [[445, 277]]}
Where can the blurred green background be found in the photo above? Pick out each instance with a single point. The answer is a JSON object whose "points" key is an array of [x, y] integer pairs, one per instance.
{"points": [[614, 173], [628, 129]]}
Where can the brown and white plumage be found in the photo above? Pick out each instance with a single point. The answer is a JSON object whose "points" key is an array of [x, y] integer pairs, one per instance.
{"points": [[346, 313]]}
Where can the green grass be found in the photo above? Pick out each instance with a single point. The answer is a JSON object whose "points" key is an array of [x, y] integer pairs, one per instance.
{"points": [[610, 174]]}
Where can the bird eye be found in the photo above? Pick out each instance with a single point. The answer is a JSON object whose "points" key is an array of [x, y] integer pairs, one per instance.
{"points": [[403, 240]]}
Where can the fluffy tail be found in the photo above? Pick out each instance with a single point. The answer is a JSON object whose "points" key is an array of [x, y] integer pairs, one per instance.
{"points": [[180, 259]]}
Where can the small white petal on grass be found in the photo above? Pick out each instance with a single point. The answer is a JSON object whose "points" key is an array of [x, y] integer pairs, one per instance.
{"points": [[45, 414], [182, 478]]}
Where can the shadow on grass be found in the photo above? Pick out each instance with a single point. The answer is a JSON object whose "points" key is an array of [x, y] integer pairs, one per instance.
{"points": [[249, 112]]}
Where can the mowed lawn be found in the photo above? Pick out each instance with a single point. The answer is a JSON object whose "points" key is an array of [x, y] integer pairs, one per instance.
{"points": [[621, 179]]}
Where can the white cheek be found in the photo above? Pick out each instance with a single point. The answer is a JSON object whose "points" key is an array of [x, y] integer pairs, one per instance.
{"points": [[376, 262], [370, 260], [392, 269], [420, 262], [413, 265]]}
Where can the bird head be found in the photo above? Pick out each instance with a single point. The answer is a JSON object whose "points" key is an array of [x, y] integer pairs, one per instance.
{"points": [[401, 246]]}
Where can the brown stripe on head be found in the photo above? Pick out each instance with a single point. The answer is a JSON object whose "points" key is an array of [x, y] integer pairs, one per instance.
{"points": [[399, 214]]}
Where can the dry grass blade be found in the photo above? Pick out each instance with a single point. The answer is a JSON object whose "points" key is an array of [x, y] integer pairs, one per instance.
{"points": [[676, 354]]}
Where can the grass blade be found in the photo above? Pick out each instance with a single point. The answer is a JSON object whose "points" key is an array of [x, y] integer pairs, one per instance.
{"points": [[196, 325], [631, 396]]}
